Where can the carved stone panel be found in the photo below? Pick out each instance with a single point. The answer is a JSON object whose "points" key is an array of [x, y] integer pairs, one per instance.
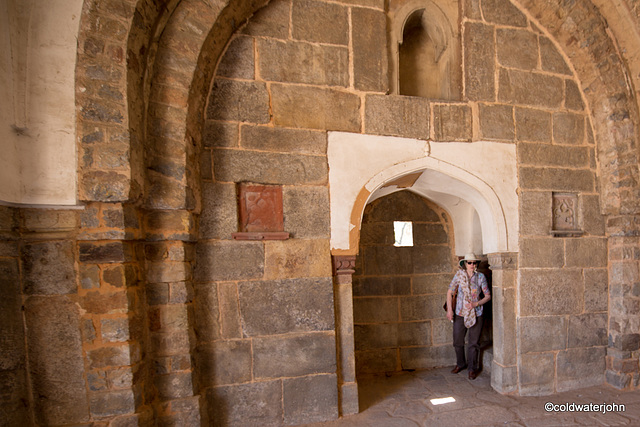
{"points": [[565, 215]]}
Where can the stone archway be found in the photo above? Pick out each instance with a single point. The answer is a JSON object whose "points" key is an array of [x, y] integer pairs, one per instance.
{"points": [[175, 112]]}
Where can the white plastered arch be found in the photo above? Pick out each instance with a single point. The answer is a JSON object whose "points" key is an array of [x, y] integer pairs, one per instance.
{"points": [[481, 174]]}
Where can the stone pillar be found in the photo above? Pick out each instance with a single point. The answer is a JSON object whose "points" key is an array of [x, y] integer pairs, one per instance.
{"points": [[622, 369], [169, 294], [343, 269], [52, 317], [504, 372]]}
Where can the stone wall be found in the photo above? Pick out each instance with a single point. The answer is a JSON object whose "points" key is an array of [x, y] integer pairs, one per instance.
{"points": [[398, 292], [260, 104]]}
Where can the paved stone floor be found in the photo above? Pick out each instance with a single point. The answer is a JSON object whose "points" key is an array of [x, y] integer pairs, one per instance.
{"points": [[404, 400]]}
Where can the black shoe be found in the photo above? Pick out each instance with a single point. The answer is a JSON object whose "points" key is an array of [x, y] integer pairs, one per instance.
{"points": [[457, 369]]}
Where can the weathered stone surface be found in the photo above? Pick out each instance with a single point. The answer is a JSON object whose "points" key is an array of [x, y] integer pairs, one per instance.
{"points": [[220, 134], [535, 213], [238, 61], [55, 351], [230, 324], [310, 399], [109, 356], [401, 206], [269, 168], [538, 334], [370, 57], [102, 303], [164, 272], [397, 115], [533, 125], [239, 101], [115, 330], [112, 403], [377, 335], [496, 122], [415, 334], [580, 367], [595, 290], [314, 64], [593, 221], [431, 283], [452, 122], [297, 258], [588, 330], [370, 310], [257, 403], [219, 216], [315, 108], [535, 376], [504, 379], [517, 48], [48, 268], [207, 312], [13, 372], [426, 357], [551, 292], [586, 252], [552, 60], [306, 212], [229, 260], [553, 155], [174, 385], [320, 22], [294, 355], [105, 186], [272, 21], [568, 128], [515, 88], [376, 361], [557, 179], [296, 305], [225, 362], [44, 220], [422, 307], [573, 96], [503, 12], [504, 325], [281, 140], [479, 62], [103, 253], [379, 286], [541, 252], [442, 330]]}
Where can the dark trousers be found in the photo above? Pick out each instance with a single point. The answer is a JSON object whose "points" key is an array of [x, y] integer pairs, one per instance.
{"points": [[473, 345]]}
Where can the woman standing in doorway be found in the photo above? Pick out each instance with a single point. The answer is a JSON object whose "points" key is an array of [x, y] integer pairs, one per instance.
{"points": [[467, 314]]}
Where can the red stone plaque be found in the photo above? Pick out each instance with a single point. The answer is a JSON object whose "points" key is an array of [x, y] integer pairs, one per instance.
{"points": [[260, 208]]}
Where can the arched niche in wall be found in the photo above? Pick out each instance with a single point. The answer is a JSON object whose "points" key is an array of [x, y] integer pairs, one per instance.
{"points": [[425, 49]]}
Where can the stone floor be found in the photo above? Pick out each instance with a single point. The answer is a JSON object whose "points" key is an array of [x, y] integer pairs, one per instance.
{"points": [[404, 400]]}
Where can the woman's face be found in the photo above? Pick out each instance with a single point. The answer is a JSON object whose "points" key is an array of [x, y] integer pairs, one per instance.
{"points": [[471, 265]]}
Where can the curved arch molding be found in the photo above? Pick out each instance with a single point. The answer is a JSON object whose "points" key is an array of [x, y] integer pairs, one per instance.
{"points": [[466, 179]]}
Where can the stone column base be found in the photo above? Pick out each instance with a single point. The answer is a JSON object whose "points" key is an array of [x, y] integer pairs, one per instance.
{"points": [[348, 404], [504, 379]]}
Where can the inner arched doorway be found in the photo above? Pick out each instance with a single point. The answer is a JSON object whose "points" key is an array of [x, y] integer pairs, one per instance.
{"points": [[481, 202]]}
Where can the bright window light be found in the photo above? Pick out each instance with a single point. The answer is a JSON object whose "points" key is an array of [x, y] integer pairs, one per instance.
{"points": [[442, 400], [403, 233]]}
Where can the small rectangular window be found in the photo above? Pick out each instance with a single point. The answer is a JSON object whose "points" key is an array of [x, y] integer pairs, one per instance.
{"points": [[403, 231]]}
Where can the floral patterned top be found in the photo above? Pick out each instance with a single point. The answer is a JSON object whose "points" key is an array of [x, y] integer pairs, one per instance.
{"points": [[478, 282]]}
